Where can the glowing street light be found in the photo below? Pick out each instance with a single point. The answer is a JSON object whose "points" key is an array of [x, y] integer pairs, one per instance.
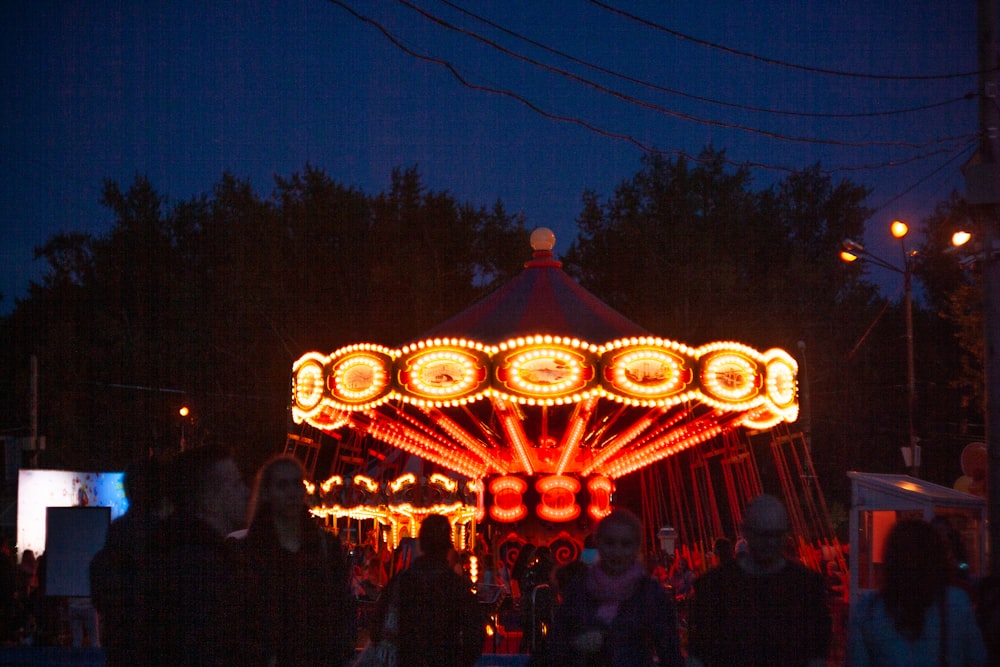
{"points": [[960, 238], [184, 412], [851, 252]]}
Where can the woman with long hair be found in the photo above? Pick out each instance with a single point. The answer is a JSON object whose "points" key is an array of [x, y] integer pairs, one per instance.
{"points": [[916, 618], [306, 612]]}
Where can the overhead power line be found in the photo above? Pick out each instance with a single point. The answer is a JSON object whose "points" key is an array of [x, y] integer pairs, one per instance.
{"points": [[700, 98], [965, 152], [616, 135], [670, 112], [782, 63]]}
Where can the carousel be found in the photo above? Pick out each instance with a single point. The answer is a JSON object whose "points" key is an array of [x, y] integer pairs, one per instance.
{"points": [[527, 411]]}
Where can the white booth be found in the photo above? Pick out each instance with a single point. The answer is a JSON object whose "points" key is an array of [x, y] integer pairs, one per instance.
{"points": [[879, 500]]}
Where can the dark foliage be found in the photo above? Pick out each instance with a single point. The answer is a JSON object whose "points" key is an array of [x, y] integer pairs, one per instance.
{"points": [[207, 303]]}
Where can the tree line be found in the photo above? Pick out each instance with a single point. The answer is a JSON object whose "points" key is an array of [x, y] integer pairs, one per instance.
{"points": [[206, 302]]}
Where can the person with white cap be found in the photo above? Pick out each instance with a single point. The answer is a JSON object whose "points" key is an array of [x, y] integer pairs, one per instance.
{"points": [[761, 609]]}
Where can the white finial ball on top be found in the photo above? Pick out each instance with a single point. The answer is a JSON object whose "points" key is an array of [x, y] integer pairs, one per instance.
{"points": [[543, 239]]}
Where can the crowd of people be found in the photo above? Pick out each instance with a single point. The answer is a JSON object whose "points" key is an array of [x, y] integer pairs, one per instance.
{"points": [[757, 605], [199, 571], [22, 600], [204, 571]]}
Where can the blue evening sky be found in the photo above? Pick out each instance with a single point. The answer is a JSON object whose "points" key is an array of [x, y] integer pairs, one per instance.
{"points": [[557, 97]]}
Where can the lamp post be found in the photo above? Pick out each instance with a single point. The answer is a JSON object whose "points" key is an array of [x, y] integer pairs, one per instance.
{"points": [[854, 251]]}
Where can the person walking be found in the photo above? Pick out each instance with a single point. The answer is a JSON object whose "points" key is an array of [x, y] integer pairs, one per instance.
{"points": [[614, 614], [438, 619], [117, 571], [305, 613], [917, 618], [761, 609], [195, 599]]}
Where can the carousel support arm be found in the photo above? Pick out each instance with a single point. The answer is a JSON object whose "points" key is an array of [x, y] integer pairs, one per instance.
{"points": [[697, 432], [414, 442], [515, 433], [574, 432], [624, 439], [455, 431]]}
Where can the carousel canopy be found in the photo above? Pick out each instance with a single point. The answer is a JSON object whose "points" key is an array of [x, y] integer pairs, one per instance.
{"points": [[541, 379], [542, 299]]}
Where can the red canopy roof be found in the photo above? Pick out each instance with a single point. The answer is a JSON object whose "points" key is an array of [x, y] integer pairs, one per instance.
{"points": [[542, 299]]}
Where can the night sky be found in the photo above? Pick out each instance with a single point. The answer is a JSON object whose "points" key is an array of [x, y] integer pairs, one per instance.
{"points": [[524, 101]]}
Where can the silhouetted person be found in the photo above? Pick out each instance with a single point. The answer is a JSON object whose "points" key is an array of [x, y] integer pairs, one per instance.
{"points": [[304, 611], [917, 618], [196, 599], [761, 609], [519, 572], [440, 623], [613, 614], [117, 570], [8, 593], [537, 600], [958, 562], [723, 550], [988, 616]]}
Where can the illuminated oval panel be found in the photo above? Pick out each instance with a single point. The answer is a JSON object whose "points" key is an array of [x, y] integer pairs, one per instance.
{"points": [[780, 383], [557, 501], [475, 486], [730, 376], [309, 385], [544, 372], [600, 488], [442, 374], [646, 372], [508, 499], [359, 377]]}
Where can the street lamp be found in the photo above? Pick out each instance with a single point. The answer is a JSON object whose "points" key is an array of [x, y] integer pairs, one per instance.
{"points": [[183, 412], [852, 252]]}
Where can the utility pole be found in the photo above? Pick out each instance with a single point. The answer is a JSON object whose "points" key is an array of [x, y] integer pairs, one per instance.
{"points": [[33, 408], [982, 179]]}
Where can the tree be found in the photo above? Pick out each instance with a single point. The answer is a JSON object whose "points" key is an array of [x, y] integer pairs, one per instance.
{"points": [[719, 260], [430, 257], [207, 302], [953, 286]]}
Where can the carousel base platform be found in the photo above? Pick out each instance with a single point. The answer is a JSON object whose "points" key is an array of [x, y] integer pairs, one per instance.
{"points": [[56, 656]]}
